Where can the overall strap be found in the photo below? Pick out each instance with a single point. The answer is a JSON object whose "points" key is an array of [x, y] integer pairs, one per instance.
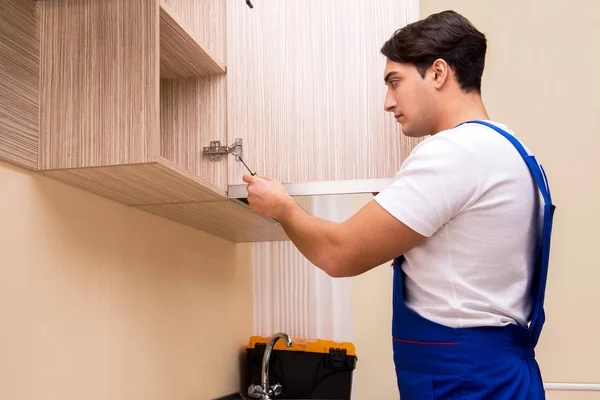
{"points": [[539, 285]]}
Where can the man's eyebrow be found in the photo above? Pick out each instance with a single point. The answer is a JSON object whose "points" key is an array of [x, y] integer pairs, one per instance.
{"points": [[389, 75]]}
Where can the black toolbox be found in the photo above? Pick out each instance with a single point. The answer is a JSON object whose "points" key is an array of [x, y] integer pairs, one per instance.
{"points": [[310, 369]]}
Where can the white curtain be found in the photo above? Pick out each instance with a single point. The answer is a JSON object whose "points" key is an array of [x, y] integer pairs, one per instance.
{"points": [[292, 295]]}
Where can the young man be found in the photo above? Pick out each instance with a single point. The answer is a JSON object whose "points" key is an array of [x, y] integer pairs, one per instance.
{"points": [[467, 221]]}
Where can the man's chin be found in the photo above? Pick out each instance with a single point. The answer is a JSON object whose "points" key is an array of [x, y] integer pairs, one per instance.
{"points": [[406, 131], [412, 133]]}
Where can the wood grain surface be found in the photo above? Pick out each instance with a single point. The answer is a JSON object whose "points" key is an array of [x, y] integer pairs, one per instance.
{"points": [[305, 89], [136, 184], [225, 219], [182, 53], [99, 83], [19, 82], [193, 113], [205, 19]]}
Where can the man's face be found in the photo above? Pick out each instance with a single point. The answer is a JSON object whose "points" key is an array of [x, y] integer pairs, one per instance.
{"points": [[410, 98]]}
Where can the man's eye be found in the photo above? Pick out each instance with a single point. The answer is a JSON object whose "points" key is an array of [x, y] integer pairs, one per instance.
{"points": [[394, 84]]}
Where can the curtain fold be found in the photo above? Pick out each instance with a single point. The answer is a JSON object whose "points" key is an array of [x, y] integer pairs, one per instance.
{"points": [[292, 295]]}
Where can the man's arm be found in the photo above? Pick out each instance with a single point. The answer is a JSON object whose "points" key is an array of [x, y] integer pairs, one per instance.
{"points": [[369, 238]]}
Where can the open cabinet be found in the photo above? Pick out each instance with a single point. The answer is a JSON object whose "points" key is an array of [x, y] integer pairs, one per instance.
{"points": [[131, 92]]}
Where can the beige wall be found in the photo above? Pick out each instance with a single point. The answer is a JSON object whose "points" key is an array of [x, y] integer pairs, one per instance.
{"points": [[102, 301], [374, 375], [571, 395], [542, 80]]}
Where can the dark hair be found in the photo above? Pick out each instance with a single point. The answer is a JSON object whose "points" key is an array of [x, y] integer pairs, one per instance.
{"points": [[447, 35]]}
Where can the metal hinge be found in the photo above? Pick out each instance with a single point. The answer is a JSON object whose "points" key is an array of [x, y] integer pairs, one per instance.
{"points": [[215, 150]]}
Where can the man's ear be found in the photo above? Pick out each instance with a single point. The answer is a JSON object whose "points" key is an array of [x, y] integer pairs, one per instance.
{"points": [[439, 72]]}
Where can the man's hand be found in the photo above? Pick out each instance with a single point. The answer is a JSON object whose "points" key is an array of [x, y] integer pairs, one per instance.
{"points": [[267, 197]]}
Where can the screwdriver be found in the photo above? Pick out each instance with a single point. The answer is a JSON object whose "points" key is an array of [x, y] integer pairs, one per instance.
{"points": [[253, 174], [243, 162]]}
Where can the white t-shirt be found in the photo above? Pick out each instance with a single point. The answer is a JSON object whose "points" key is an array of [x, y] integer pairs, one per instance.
{"points": [[469, 191]]}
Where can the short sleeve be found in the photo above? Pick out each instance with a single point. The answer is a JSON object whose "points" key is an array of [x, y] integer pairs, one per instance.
{"points": [[436, 182]]}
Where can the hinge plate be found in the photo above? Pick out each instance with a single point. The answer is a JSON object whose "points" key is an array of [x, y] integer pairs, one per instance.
{"points": [[216, 150]]}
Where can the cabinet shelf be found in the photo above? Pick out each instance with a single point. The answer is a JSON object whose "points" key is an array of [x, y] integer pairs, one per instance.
{"points": [[139, 184], [181, 53], [164, 189]]}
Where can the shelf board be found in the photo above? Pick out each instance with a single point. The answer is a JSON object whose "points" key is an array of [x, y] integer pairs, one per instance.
{"points": [[228, 219], [164, 189], [181, 53], [138, 184]]}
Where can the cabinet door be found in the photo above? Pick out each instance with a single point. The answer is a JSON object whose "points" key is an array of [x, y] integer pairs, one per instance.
{"points": [[305, 88]]}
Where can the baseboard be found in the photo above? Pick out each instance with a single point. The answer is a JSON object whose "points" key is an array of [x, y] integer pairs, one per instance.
{"points": [[582, 387]]}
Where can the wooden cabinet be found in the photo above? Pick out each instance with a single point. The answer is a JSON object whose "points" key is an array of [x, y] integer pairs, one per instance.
{"points": [[305, 89], [131, 91]]}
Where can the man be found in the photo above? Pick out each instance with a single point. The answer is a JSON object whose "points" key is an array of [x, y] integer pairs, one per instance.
{"points": [[462, 221]]}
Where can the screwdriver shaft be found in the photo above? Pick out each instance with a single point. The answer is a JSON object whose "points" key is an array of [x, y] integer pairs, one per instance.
{"points": [[246, 165]]}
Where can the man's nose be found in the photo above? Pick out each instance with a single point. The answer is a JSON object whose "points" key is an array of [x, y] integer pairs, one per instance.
{"points": [[390, 103]]}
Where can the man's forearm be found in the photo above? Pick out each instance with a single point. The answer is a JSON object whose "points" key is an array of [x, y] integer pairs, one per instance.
{"points": [[318, 240]]}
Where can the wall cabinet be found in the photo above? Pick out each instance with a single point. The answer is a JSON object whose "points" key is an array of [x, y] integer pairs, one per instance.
{"points": [[131, 91]]}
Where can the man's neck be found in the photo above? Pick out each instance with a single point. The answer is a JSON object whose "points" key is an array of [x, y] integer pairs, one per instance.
{"points": [[459, 109]]}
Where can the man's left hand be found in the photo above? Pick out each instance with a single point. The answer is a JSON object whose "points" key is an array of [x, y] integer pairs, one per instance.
{"points": [[267, 196]]}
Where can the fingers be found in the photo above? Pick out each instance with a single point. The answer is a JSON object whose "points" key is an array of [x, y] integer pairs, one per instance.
{"points": [[253, 178], [249, 178]]}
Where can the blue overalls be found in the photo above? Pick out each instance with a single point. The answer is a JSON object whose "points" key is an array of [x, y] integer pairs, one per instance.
{"points": [[438, 362]]}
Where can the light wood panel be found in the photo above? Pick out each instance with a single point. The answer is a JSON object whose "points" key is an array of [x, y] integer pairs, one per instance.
{"points": [[99, 82], [136, 184], [193, 113], [306, 91], [182, 54], [19, 82], [205, 19], [226, 219]]}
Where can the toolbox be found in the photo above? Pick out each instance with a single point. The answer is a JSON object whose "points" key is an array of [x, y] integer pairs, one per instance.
{"points": [[310, 369]]}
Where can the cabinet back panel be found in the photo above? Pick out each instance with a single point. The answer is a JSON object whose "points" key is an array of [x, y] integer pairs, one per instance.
{"points": [[193, 111], [193, 114]]}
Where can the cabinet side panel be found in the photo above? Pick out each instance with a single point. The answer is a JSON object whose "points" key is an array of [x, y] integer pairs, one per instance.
{"points": [[99, 82], [19, 82]]}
